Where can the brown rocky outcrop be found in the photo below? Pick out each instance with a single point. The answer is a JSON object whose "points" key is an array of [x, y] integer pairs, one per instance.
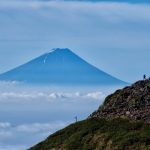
{"points": [[132, 102]]}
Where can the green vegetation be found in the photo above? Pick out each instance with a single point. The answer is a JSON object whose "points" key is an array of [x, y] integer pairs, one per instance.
{"points": [[121, 123], [99, 134]]}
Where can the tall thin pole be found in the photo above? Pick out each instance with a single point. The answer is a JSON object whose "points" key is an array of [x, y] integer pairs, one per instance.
{"points": [[76, 118]]}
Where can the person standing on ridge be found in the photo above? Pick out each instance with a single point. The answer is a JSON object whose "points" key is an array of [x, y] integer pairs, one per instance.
{"points": [[144, 77]]}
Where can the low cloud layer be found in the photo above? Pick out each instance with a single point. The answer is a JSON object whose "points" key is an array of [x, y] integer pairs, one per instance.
{"points": [[10, 132], [48, 97], [12, 147], [113, 12], [10, 92], [26, 111]]}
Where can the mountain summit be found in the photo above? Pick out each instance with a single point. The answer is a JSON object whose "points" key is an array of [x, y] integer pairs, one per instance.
{"points": [[59, 66]]}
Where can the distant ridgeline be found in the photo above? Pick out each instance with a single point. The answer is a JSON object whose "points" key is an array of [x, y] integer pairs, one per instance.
{"points": [[121, 123], [62, 67]]}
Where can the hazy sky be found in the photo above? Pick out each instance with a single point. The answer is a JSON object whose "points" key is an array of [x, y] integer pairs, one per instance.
{"points": [[113, 36]]}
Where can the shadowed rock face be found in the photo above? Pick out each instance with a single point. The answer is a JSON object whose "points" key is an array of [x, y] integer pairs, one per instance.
{"points": [[132, 102]]}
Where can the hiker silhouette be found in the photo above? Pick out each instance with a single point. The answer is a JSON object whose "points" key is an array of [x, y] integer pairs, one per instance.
{"points": [[144, 77]]}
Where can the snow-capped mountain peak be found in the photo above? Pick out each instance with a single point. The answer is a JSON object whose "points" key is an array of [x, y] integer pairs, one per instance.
{"points": [[59, 66]]}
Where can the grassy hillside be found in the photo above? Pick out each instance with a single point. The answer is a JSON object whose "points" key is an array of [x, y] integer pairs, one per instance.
{"points": [[99, 134], [121, 123]]}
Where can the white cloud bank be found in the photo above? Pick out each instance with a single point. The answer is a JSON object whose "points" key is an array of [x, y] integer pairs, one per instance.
{"points": [[8, 83], [12, 147], [4, 125], [40, 127], [13, 91], [36, 128], [9, 132], [23, 97], [110, 11]]}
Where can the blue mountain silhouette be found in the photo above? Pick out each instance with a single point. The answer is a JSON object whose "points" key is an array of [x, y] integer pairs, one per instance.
{"points": [[59, 66]]}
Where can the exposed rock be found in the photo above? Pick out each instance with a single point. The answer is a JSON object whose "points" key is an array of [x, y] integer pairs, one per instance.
{"points": [[132, 102], [108, 128]]}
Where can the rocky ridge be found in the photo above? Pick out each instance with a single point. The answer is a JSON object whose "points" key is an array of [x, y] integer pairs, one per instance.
{"points": [[132, 102]]}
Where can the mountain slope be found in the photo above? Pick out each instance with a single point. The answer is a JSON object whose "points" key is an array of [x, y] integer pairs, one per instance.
{"points": [[121, 123], [60, 66], [132, 102], [99, 134]]}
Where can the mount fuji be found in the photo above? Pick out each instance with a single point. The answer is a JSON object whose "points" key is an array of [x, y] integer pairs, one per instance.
{"points": [[60, 67]]}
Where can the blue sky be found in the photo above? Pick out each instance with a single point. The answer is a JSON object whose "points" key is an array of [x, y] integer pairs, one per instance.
{"points": [[129, 1], [114, 36]]}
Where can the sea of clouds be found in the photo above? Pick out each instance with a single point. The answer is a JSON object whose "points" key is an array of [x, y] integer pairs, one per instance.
{"points": [[20, 137], [11, 93], [28, 114]]}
